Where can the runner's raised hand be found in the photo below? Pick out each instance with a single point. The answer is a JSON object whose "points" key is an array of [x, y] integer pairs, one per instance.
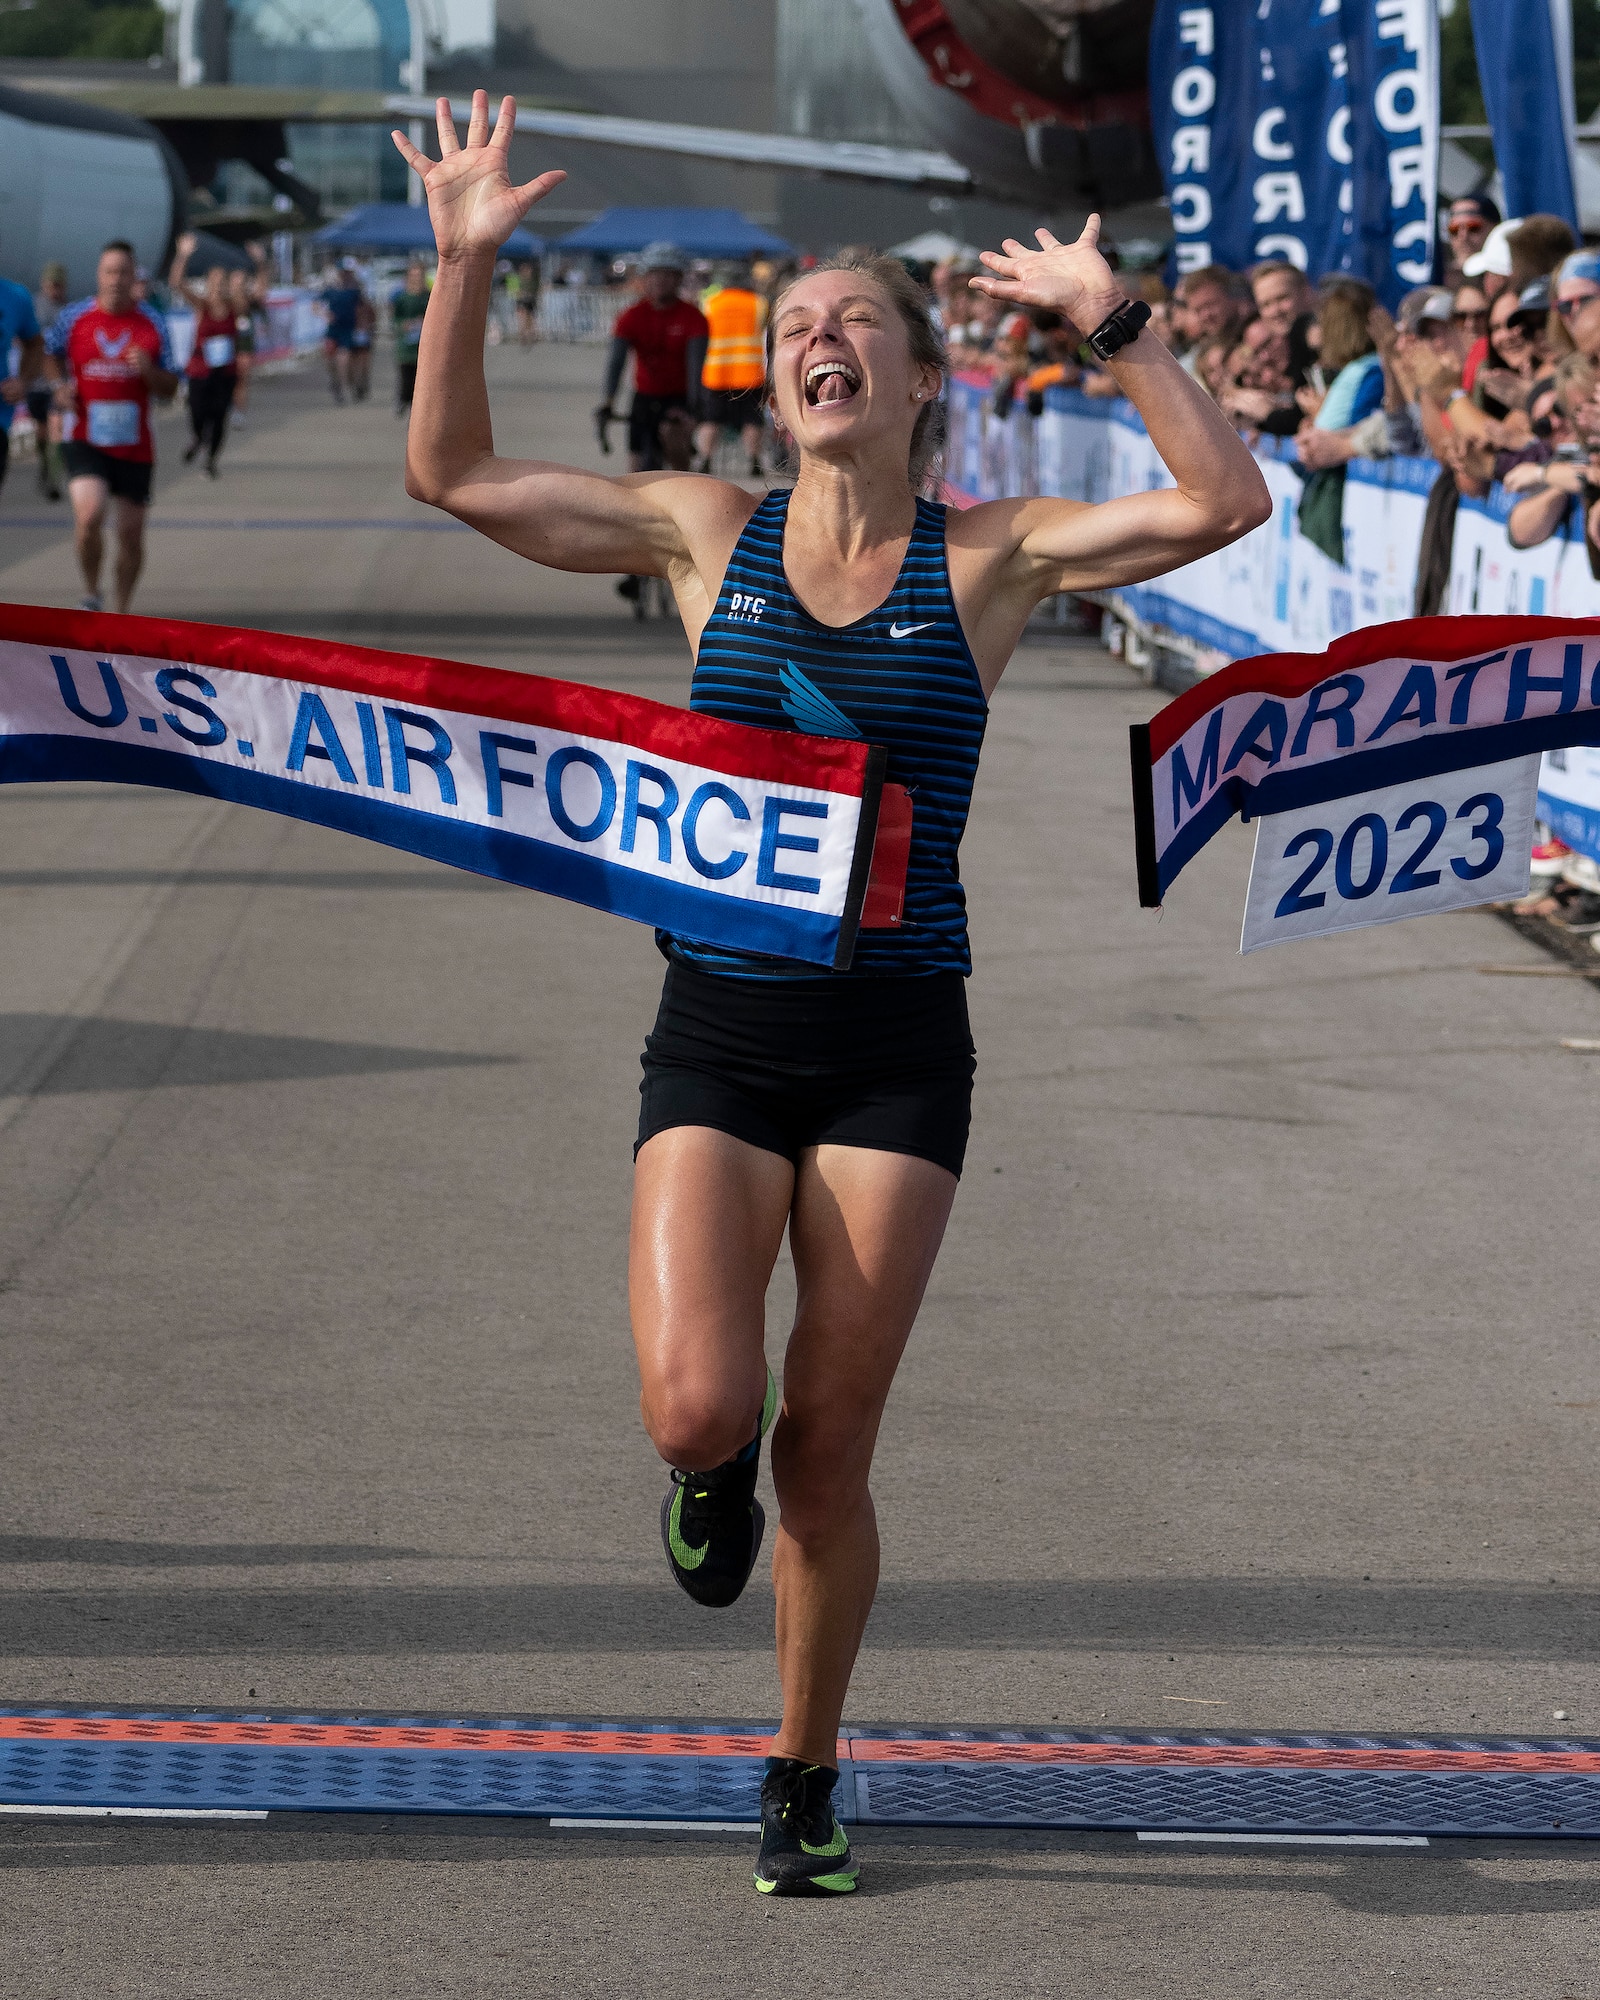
{"points": [[471, 202], [1069, 278]]}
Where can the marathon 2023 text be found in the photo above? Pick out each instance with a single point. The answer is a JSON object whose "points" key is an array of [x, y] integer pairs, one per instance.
{"points": [[1261, 749]]}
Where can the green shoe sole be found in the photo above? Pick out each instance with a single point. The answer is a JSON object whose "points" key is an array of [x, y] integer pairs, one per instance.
{"points": [[810, 1885]]}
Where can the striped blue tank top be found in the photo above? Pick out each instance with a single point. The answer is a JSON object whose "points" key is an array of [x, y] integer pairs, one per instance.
{"points": [[902, 677]]}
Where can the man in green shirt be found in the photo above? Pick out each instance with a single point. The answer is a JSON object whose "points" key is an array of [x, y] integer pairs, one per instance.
{"points": [[408, 307]]}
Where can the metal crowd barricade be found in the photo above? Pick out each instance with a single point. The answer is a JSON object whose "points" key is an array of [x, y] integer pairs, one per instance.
{"points": [[578, 314]]}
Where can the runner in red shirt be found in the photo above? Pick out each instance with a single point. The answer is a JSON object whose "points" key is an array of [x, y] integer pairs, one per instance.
{"points": [[108, 356], [213, 370], [668, 338]]}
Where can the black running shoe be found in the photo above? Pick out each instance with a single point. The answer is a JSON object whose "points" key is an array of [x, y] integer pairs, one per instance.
{"points": [[803, 1848], [712, 1522]]}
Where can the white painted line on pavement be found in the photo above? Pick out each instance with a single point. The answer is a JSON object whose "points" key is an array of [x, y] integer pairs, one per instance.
{"points": [[1297, 1839], [668, 1825], [134, 1812]]}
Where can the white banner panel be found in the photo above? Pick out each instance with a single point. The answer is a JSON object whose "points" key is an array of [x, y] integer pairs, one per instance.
{"points": [[1444, 843]]}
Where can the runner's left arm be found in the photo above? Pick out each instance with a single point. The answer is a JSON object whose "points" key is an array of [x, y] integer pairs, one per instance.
{"points": [[646, 522], [1045, 545]]}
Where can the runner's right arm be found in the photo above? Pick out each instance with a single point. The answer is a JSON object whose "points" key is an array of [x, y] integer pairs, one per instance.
{"points": [[647, 523], [178, 279]]}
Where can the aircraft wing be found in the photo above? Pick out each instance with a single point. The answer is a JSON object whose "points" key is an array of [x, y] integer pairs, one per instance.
{"points": [[839, 158]]}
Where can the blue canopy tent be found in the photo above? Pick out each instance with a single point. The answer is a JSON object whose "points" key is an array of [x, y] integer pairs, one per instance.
{"points": [[394, 227], [699, 232]]}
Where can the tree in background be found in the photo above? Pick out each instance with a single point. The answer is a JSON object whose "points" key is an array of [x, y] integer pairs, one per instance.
{"points": [[1460, 94], [90, 30]]}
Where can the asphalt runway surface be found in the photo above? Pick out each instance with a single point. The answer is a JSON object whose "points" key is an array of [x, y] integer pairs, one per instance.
{"points": [[1255, 1388]]}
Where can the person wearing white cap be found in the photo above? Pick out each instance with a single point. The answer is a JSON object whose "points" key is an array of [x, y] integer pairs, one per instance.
{"points": [[1491, 266]]}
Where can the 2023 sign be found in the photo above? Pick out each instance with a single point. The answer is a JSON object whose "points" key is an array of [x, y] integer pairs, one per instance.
{"points": [[1439, 843]]}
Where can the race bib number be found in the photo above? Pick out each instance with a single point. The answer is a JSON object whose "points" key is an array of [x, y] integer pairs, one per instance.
{"points": [[110, 425], [218, 350], [1440, 843]]}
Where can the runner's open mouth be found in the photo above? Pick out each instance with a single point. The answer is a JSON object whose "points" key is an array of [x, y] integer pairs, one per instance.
{"points": [[831, 382]]}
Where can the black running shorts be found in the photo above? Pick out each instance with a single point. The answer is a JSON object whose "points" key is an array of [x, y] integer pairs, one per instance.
{"points": [[784, 1064], [645, 415], [128, 479], [734, 408]]}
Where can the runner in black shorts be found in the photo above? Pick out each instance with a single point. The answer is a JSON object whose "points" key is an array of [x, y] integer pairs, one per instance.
{"points": [[48, 302], [123, 478], [667, 338], [41, 404], [831, 1107], [647, 450], [108, 355]]}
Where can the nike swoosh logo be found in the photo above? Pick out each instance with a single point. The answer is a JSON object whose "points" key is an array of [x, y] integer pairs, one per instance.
{"points": [[682, 1554], [905, 631]]}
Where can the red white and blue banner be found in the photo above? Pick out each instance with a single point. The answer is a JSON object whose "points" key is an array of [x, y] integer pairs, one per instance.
{"points": [[1381, 707], [756, 839]]}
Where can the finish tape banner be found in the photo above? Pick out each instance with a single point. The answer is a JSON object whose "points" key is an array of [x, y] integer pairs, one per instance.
{"points": [[756, 839], [1385, 706]]}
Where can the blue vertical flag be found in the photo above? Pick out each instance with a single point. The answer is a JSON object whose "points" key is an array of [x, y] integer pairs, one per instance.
{"points": [[1392, 141], [1525, 67], [1302, 129]]}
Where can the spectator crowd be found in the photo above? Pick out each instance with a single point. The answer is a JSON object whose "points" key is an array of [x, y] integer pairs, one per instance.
{"points": [[1494, 372]]}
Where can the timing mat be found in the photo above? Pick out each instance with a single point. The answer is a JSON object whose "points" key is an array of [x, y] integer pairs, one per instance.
{"points": [[229, 1762]]}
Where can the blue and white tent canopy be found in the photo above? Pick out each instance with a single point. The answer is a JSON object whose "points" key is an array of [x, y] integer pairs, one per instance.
{"points": [[701, 232], [397, 227]]}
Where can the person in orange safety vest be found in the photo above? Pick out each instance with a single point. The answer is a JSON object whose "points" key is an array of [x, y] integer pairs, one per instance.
{"points": [[734, 376]]}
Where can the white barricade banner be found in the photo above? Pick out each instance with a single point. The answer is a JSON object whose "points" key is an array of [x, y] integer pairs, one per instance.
{"points": [[1270, 591], [1569, 797], [757, 839]]}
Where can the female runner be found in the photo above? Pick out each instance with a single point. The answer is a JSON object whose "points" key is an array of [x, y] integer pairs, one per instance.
{"points": [[833, 1106]]}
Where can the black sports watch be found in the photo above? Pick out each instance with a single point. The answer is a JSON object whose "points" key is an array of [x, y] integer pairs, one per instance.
{"points": [[1122, 326]]}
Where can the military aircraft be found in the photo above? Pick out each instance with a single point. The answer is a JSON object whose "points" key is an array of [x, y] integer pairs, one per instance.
{"points": [[1042, 101], [1039, 100]]}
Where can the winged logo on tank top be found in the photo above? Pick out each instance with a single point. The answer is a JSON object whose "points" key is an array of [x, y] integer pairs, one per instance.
{"points": [[809, 709]]}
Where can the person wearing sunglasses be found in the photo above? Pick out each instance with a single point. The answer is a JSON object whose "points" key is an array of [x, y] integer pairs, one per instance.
{"points": [[1555, 467], [1470, 310], [1467, 226], [1578, 300], [1491, 417]]}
